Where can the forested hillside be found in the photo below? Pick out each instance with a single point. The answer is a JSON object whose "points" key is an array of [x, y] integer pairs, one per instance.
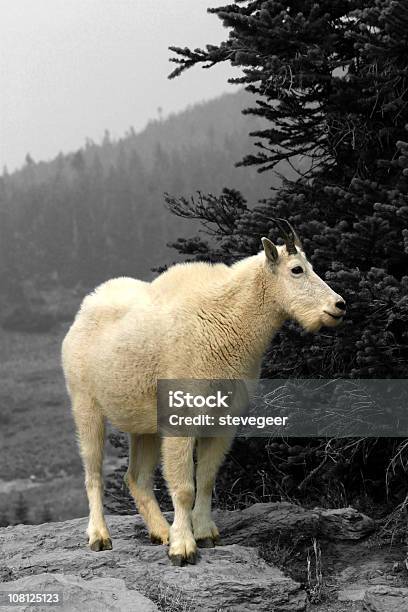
{"points": [[100, 212]]}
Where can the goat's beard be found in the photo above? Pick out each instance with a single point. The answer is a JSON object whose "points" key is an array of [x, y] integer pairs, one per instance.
{"points": [[309, 321], [314, 327]]}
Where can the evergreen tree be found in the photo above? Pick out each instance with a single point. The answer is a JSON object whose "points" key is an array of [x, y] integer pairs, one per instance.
{"points": [[331, 80]]}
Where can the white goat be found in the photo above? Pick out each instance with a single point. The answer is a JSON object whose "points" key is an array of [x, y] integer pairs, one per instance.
{"points": [[197, 321]]}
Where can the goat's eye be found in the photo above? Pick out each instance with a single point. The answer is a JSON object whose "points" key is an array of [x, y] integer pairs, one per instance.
{"points": [[297, 270]]}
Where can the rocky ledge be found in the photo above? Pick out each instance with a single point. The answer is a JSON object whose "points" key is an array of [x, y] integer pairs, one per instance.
{"points": [[237, 576]]}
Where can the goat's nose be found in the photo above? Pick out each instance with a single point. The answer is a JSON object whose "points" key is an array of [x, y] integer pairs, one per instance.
{"points": [[341, 305]]}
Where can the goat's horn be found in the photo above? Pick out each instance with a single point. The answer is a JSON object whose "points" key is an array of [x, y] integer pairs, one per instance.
{"points": [[292, 233], [290, 237]]}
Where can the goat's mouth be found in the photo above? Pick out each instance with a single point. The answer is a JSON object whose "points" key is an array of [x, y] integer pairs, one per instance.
{"points": [[336, 317]]}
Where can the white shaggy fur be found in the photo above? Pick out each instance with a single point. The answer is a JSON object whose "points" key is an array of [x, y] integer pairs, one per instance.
{"points": [[193, 321]]}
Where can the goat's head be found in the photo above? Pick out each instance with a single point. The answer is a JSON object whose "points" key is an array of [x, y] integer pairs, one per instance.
{"points": [[300, 293]]}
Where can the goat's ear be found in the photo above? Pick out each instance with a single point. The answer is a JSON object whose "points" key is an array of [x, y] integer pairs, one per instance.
{"points": [[270, 249]]}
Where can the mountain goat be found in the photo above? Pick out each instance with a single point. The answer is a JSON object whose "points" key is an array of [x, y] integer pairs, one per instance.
{"points": [[195, 320]]}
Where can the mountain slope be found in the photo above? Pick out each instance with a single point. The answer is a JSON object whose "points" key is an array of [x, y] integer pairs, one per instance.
{"points": [[99, 212]]}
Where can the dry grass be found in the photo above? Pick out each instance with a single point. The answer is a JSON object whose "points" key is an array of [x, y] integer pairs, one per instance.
{"points": [[169, 598], [314, 573], [281, 553]]}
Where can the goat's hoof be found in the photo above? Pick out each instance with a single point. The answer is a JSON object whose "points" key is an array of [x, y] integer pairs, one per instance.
{"points": [[181, 560], [206, 543], [192, 558], [102, 544], [177, 560], [160, 536], [156, 539]]}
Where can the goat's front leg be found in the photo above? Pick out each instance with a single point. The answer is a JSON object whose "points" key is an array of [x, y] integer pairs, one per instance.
{"points": [[210, 454], [178, 467]]}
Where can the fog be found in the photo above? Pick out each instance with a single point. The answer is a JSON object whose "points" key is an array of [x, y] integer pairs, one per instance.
{"points": [[70, 69]]}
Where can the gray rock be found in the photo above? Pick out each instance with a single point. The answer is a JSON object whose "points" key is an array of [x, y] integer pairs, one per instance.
{"points": [[356, 592], [344, 524], [231, 577], [378, 598], [263, 522], [79, 595], [385, 599]]}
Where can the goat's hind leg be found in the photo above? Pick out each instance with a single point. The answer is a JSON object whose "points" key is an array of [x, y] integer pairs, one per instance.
{"points": [[144, 454], [90, 424]]}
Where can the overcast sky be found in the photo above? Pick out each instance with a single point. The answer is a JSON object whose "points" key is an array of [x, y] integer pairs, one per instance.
{"points": [[71, 68]]}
